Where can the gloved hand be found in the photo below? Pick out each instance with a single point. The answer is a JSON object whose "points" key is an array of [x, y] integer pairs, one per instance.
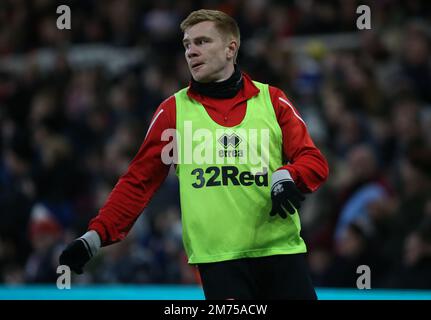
{"points": [[80, 251], [75, 256], [285, 195]]}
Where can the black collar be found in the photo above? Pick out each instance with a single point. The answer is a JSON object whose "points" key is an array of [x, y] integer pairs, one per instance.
{"points": [[220, 90]]}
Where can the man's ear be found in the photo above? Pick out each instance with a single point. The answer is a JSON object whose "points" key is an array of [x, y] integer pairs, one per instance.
{"points": [[231, 49]]}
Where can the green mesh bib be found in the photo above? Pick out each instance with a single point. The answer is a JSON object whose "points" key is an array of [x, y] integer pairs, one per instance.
{"points": [[224, 175]]}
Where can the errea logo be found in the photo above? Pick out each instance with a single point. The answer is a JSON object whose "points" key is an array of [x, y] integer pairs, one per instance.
{"points": [[232, 140], [230, 143], [278, 189]]}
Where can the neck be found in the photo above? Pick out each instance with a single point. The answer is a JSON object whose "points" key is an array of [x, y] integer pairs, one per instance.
{"points": [[227, 74], [222, 89]]}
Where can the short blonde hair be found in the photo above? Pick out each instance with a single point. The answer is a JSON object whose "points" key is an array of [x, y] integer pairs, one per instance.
{"points": [[224, 23]]}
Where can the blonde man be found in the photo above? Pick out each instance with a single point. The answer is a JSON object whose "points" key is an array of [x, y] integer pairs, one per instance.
{"points": [[241, 225]]}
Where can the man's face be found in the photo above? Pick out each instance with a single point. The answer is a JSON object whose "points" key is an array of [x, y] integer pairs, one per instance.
{"points": [[208, 54]]}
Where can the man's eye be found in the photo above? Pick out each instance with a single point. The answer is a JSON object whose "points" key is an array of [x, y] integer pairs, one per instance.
{"points": [[202, 41]]}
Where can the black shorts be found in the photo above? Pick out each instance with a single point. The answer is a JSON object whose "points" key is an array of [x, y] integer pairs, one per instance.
{"points": [[273, 277]]}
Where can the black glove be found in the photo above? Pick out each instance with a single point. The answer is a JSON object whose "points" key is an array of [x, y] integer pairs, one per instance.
{"points": [[285, 194], [76, 255]]}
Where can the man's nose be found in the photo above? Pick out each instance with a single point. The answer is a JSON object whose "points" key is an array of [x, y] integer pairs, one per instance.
{"points": [[192, 51]]}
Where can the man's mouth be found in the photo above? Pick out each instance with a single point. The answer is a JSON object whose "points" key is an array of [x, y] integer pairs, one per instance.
{"points": [[196, 65]]}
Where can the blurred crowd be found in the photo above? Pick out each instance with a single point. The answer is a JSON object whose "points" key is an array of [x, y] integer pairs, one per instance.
{"points": [[68, 132]]}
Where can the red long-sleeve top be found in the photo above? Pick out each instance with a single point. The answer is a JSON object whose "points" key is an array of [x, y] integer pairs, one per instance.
{"points": [[146, 172]]}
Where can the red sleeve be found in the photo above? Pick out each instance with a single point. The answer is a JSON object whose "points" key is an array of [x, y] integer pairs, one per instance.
{"points": [[142, 179], [307, 166]]}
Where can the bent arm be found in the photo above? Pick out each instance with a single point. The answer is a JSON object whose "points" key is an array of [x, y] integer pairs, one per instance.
{"points": [[306, 164]]}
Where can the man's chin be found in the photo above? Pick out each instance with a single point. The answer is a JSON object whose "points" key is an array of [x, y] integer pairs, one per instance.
{"points": [[201, 78]]}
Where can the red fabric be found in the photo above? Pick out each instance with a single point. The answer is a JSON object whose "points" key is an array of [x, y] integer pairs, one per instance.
{"points": [[147, 172]]}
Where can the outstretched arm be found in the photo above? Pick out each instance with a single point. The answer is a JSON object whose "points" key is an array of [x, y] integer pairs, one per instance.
{"points": [[129, 197]]}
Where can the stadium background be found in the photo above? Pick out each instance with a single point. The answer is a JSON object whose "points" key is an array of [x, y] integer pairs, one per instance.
{"points": [[75, 106]]}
